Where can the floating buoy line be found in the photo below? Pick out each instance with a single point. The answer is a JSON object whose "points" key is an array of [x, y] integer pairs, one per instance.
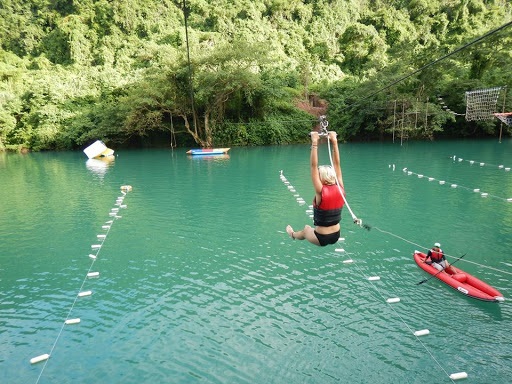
{"points": [[390, 301], [93, 255], [453, 185], [480, 163]]}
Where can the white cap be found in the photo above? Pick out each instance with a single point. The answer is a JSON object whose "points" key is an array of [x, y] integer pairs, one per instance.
{"points": [[437, 245]]}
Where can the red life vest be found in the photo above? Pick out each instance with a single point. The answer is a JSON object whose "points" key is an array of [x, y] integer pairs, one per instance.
{"points": [[328, 213], [331, 198], [436, 256]]}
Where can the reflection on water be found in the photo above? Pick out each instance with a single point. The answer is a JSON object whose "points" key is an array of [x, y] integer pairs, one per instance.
{"points": [[99, 166], [198, 281]]}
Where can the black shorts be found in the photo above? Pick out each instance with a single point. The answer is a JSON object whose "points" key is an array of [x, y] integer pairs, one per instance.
{"points": [[331, 238]]}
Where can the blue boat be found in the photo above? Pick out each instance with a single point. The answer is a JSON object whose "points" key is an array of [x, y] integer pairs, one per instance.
{"points": [[208, 151]]}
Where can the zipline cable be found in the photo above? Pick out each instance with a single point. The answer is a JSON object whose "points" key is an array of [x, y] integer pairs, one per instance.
{"points": [[415, 334], [434, 62]]}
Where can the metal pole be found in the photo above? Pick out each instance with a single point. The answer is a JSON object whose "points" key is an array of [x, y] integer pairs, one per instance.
{"points": [[185, 15]]}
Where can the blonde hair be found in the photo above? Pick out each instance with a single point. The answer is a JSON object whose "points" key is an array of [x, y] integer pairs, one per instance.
{"points": [[327, 174]]}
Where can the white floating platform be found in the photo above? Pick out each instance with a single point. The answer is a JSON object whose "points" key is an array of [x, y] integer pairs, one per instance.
{"points": [[39, 358], [393, 300], [422, 332], [459, 375]]}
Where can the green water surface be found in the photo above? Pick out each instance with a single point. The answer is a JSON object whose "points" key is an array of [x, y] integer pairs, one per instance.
{"points": [[199, 283]]}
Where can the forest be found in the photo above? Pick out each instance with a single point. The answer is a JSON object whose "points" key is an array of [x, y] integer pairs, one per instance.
{"points": [[176, 73]]}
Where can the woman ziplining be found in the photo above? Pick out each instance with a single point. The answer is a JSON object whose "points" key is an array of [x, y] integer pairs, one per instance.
{"points": [[328, 201]]}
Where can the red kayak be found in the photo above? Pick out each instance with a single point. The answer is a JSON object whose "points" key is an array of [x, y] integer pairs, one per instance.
{"points": [[461, 281]]}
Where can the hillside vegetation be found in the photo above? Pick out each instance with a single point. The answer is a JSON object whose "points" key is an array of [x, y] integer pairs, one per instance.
{"points": [[246, 72]]}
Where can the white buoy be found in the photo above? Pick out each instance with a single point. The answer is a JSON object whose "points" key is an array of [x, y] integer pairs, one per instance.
{"points": [[105, 226], [96, 246], [471, 162], [72, 321], [39, 358], [101, 236], [482, 164], [459, 375], [420, 176], [404, 170], [441, 182], [123, 206], [290, 187], [93, 274], [423, 332], [500, 166], [460, 159], [393, 167], [339, 250], [507, 169], [348, 261], [109, 222], [485, 194], [114, 210], [374, 278], [453, 185], [509, 199], [476, 190], [92, 256], [85, 293], [341, 239], [430, 178], [393, 300], [309, 211], [112, 214], [409, 172]]}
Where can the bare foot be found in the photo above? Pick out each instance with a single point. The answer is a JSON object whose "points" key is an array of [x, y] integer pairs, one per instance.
{"points": [[289, 230]]}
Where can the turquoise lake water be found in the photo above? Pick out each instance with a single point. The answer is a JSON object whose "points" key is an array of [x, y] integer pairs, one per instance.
{"points": [[199, 283]]}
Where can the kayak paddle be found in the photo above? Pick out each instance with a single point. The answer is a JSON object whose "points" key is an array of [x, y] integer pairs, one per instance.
{"points": [[424, 281]]}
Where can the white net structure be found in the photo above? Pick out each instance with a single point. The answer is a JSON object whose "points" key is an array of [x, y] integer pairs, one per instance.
{"points": [[481, 103]]}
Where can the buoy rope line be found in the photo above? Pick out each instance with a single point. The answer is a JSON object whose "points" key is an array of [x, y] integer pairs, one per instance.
{"points": [[482, 164], [446, 255], [389, 301], [452, 185], [114, 213]]}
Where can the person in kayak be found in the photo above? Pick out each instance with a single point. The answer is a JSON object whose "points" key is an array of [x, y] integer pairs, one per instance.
{"points": [[328, 200], [435, 257]]}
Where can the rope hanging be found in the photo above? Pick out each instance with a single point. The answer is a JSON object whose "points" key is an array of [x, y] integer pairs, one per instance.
{"points": [[324, 133]]}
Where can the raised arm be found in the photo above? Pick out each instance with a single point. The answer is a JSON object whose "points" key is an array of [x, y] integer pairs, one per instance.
{"points": [[313, 162], [336, 156]]}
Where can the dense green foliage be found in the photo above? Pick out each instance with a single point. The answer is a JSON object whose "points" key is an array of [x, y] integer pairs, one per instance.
{"points": [[238, 72]]}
